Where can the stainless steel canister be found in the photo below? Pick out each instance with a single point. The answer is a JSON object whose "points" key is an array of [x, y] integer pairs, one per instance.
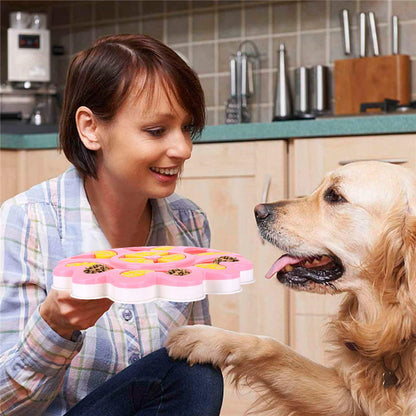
{"points": [[319, 89], [302, 95], [282, 100]]}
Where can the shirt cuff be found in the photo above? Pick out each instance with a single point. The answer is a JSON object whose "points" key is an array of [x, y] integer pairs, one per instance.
{"points": [[44, 350]]}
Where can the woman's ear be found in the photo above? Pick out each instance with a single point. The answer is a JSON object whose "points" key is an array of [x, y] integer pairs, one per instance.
{"points": [[87, 128]]}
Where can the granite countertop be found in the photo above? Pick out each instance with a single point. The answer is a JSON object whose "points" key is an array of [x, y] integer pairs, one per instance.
{"points": [[45, 137]]}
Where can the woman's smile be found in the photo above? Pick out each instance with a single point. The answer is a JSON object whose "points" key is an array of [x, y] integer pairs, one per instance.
{"points": [[166, 175]]}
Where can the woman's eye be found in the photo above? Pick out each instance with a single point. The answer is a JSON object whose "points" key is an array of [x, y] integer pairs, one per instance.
{"points": [[156, 132], [333, 197]]}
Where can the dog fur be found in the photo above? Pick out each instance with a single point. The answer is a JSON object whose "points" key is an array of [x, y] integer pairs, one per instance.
{"points": [[364, 216]]}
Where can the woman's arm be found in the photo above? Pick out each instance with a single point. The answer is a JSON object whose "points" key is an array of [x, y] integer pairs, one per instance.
{"points": [[33, 357]]}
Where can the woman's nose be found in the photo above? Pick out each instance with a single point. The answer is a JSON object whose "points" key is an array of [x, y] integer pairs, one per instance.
{"points": [[180, 147]]}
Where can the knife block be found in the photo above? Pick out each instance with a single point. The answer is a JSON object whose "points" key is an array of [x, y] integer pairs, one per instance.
{"points": [[370, 79]]}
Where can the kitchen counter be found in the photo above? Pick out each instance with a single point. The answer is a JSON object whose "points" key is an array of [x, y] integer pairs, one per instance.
{"points": [[45, 137]]}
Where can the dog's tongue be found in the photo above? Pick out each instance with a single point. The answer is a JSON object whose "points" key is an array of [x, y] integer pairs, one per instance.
{"points": [[281, 263]]}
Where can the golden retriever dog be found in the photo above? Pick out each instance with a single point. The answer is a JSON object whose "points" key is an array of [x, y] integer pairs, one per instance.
{"points": [[356, 233]]}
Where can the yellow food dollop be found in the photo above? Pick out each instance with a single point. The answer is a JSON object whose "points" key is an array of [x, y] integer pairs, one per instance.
{"points": [[82, 263], [166, 248], [171, 257], [136, 273], [212, 266], [104, 254], [136, 260]]}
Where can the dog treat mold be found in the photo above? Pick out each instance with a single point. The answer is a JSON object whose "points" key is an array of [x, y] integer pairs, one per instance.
{"points": [[144, 274]]}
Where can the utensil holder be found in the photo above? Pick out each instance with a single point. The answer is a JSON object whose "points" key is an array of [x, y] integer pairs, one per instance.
{"points": [[370, 79], [245, 85]]}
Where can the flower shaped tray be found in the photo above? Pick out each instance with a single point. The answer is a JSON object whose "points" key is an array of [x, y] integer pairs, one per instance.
{"points": [[143, 274]]}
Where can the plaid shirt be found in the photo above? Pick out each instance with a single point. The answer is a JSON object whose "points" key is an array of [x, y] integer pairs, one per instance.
{"points": [[42, 373]]}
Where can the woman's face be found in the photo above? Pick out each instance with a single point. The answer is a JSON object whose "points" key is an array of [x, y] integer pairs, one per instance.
{"points": [[144, 147]]}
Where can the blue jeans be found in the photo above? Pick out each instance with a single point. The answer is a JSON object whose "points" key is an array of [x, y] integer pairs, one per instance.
{"points": [[156, 385]]}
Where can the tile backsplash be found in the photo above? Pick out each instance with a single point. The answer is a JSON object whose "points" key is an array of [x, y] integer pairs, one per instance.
{"points": [[207, 32]]}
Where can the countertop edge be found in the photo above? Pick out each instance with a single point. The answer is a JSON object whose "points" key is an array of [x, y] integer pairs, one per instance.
{"points": [[320, 127], [28, 141]]}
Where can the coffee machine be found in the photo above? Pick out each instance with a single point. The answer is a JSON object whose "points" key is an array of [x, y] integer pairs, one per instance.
{"points": [[28, 94], [28, 49]]}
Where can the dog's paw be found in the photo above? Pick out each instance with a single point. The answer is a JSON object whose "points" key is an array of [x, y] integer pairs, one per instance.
{"points": [[198, 344]]}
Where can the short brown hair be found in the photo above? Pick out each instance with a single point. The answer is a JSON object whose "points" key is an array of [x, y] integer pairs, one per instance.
{"points": [[102, 77]]}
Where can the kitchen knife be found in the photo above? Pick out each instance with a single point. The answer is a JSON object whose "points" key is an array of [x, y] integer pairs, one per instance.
{"points": [[362, 29], [395, 35], [373, 31], [345, 23]]}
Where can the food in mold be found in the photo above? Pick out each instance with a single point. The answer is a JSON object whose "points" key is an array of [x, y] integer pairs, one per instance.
{"points": [[144, 274]]}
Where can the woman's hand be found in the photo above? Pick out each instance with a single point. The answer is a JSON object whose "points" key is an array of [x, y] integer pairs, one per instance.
{"points": [[65, 314]]}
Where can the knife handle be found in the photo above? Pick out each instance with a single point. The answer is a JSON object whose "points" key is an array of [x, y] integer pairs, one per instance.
{"points": [[345, 23], [362, 29], [373, 30], [395, 35]]}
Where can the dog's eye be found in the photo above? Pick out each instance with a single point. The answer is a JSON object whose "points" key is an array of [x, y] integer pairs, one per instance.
{"points": [[333, 197]]}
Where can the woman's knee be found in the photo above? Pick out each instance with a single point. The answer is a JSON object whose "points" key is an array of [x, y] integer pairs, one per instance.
{"points": [[202, 385]]}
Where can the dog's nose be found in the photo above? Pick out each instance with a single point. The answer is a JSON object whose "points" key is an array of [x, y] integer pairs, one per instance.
{"points": [[261, 211]]}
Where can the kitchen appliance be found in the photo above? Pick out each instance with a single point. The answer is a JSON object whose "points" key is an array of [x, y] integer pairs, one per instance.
{"points": [[28, 50], [389, 106], [35, 106], [28, 96]]}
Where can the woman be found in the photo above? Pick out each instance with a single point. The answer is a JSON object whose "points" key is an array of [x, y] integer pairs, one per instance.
{"points": [[130, 111]]}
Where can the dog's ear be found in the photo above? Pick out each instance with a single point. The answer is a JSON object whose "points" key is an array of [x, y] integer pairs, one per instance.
{"points": [[391, 269], [392, 265], [409, 242], [409, 253]]}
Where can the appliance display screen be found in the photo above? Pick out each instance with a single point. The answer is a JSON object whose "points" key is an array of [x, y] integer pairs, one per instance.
{"points": [[29, 41]]}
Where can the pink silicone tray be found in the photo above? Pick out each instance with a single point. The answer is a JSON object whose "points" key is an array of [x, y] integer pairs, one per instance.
{"points": [[143, 274]]}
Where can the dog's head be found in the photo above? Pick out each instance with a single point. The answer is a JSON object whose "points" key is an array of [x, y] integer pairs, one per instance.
{"points": [[357, 230]]}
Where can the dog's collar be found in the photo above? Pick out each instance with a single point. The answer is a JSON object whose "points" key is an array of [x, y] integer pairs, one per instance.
{"points": [[389, 375]]}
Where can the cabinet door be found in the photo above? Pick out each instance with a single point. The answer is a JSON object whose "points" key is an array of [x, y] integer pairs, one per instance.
{"points": [[21, 169], [227, 180], [310, 160]]}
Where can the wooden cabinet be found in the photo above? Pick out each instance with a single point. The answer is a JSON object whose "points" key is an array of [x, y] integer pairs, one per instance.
{"points": [[227, 181], [309, 161], [21, 169]]}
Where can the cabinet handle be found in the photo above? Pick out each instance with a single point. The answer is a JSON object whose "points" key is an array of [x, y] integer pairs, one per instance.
{"points": [[265, 194], [394, 161], [266, 188]]}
